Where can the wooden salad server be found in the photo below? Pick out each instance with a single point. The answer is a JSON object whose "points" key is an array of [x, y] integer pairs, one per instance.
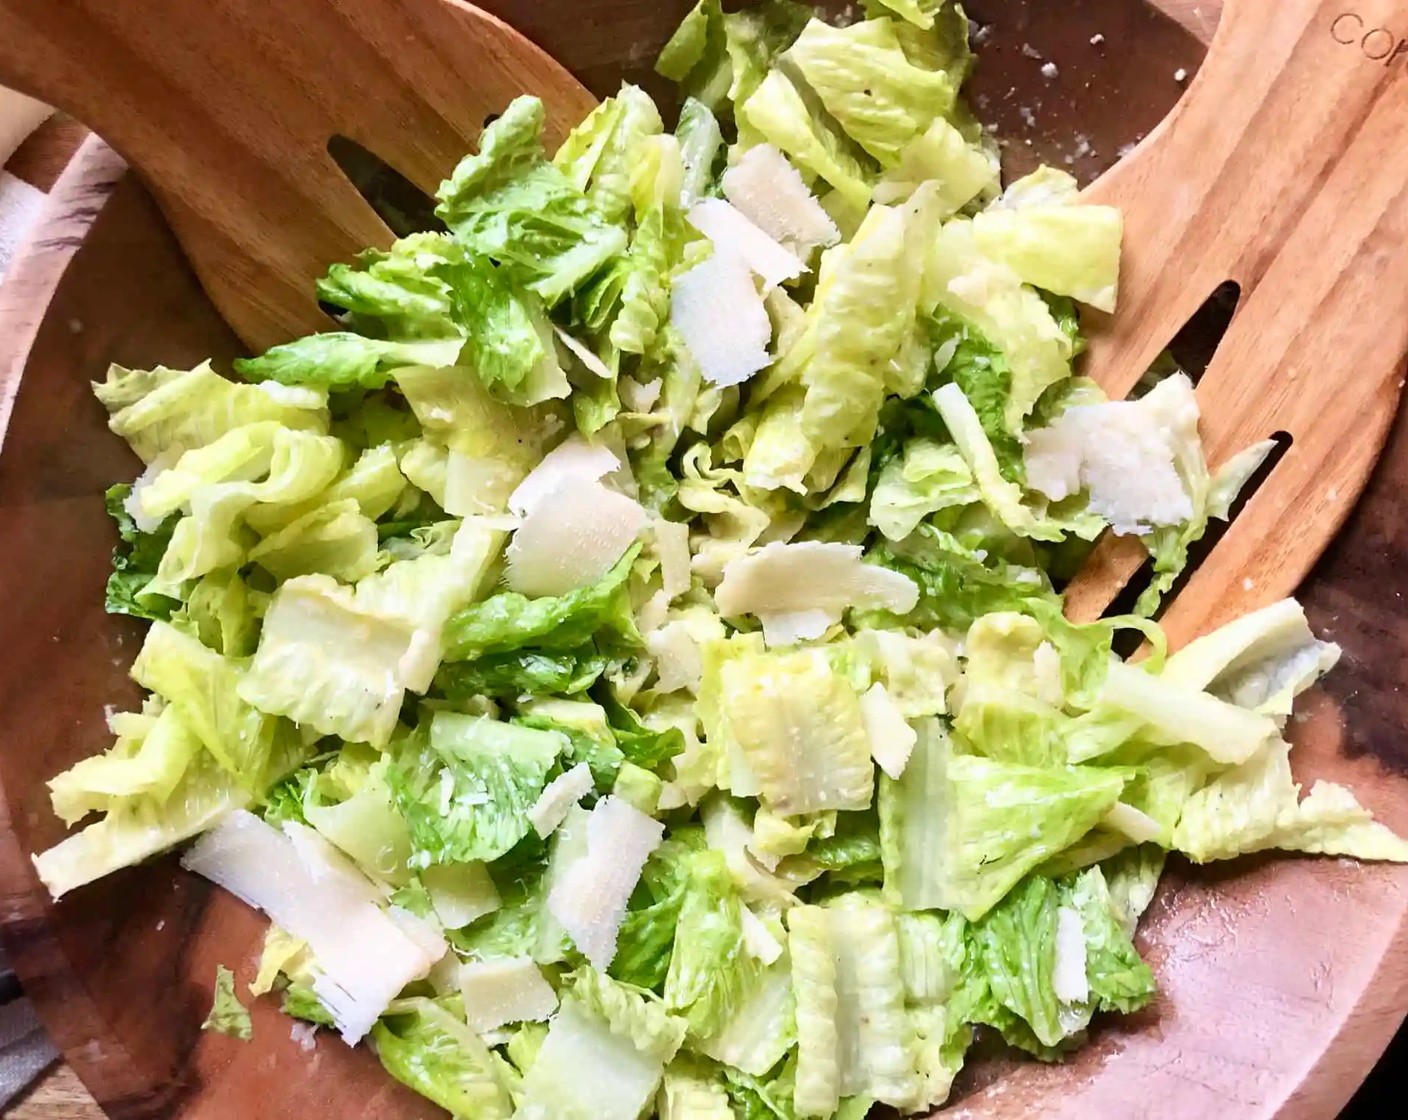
{"points": [[1285, 169], [226, 109]]}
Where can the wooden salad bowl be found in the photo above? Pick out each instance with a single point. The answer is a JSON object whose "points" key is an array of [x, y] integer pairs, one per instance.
{"points": [[1282, 979]]}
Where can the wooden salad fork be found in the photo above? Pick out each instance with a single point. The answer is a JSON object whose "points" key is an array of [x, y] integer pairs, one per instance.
{"points": [[1285, 169], [226, 108]]}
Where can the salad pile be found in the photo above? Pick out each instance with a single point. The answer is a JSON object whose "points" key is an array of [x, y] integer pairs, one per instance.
{"points": [[625, 661]]}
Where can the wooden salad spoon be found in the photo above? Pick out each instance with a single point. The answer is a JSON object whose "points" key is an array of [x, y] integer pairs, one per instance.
{"points": [[226, 109], [1285, 169]]}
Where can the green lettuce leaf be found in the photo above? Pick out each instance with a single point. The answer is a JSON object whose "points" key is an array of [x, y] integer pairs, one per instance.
{"points": [[521, 673], [342, 360], [135, 560], [395, 293], [853, 1037], [326, 662], [957, 831], [508, 621], [777, 112], [161, 409], [604, 1055], [426, 1046], [510, 203], [149, 760], [1257, 805], [227, 1014], [711, 973], [465, 796], [870, 85]]}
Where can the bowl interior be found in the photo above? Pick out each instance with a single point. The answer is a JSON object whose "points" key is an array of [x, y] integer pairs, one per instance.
{"points": [[1258, 979]]}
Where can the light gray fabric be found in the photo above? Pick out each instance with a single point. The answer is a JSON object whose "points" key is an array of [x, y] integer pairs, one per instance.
{"points": [[25, 1050], [19, 207]]}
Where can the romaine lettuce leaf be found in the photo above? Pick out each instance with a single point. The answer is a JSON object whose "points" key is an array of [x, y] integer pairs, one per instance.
{"points": [[163, 409], [342, 360], [777, 113], [150, 764], [138, 828], [394, 293], [135, 560], [325, 662], [466, 795], [925, 478], [957, 832], [799, 727], [711, 975], [204, 689], [1069, 250], [508, 622], [228, 1015], [1257, 806], [870, 85], [604, 1055], [853, 1037], [510, 203], [1013, 318], [426, 1046]]}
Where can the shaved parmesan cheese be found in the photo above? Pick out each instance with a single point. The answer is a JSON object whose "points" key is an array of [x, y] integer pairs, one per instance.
{"points": [[731, 231], [1046, 673], [425, 932], [721, 317], [574, 460], [677, 658], [672, 547], [790, 627], [560, 794], [362, 958], [509, 990], [460, 893], [758, 940], [1124, 453], [571, 538], [132, 504], [590, 902], [771, 193], [583, 354], [640, 398], [798, 590], [891, 738], [1068, 978], [1134, 823]]}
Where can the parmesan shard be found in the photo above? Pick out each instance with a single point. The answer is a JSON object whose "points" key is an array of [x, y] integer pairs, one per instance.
{"points": [[1068, 979], [590, 902], [571, 538], [558, 797], [363, 958], [892, 740], [718, 312], [798, 590], [508, 990], [768, 190], [672, 547], [1134, 823], [583, 354], [731, 231], [575, 459], [1124, 453]]}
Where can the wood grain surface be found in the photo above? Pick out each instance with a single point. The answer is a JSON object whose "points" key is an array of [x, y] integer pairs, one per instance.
{"points": [[1295, 197], [1282, 979], [187, 93]]}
